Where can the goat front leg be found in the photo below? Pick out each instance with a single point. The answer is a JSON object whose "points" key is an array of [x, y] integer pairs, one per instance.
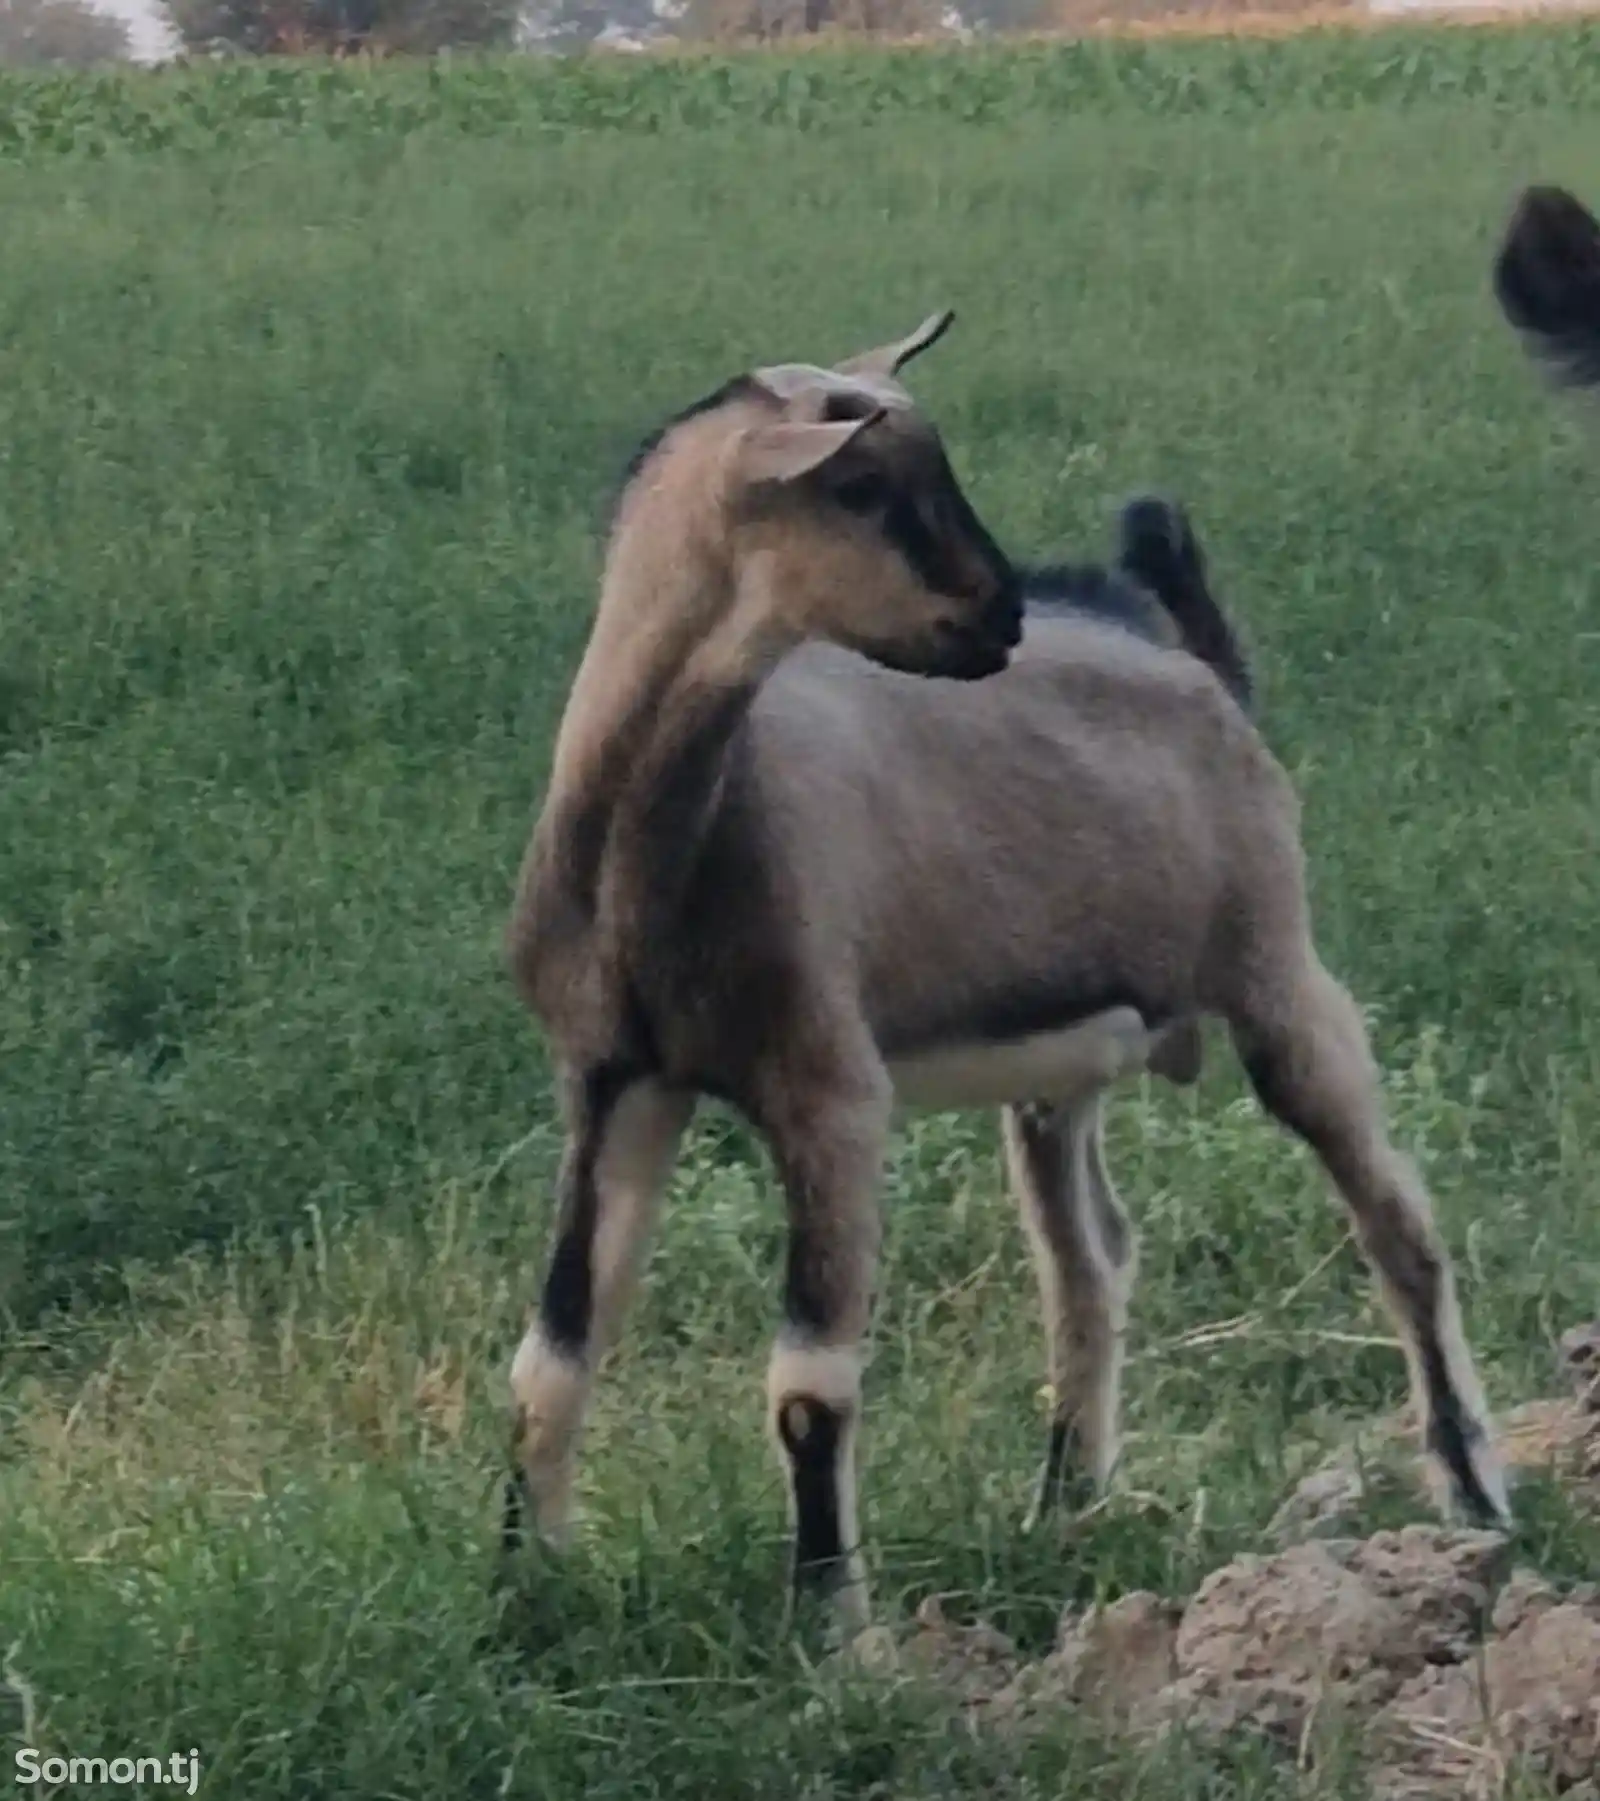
{"points": [[829, 1155], [1085, 1258], [1307, 1053], [622, 1140]]}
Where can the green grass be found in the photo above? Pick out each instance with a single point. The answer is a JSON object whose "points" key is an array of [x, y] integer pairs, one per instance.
{"points": [[302, 447], [534, 100]]}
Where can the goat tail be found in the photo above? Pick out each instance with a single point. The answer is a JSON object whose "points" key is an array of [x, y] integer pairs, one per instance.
{"points": [[1547, 281], [1160, 551]]}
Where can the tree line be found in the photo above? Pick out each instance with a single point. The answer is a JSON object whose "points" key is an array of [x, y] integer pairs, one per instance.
{"points": [[77, 33]]}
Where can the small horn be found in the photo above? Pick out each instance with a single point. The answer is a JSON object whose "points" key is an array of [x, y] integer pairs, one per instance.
{"points": [[890, 359]]}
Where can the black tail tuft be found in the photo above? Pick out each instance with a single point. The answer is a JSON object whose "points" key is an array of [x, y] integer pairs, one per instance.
{"points": [[1547, 281], [1160, 551]]}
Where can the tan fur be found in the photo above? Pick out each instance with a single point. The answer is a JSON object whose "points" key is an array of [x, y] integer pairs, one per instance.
{"points": [[772, 870]]}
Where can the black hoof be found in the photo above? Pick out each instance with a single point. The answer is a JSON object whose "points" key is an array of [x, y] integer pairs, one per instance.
{"points": [[1477, 1483], [511, 1512], [1064, 1482]]}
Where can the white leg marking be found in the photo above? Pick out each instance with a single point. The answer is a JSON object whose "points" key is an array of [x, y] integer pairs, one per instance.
{"points": [[552, 1386], [831, 1375], [1116, 1259], [551, 1392]]}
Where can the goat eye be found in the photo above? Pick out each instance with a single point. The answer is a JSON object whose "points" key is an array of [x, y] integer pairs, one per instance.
{"points": [[863, 494]]}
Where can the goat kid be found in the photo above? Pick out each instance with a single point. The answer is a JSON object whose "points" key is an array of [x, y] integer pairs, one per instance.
{"points": [[781, 863]]}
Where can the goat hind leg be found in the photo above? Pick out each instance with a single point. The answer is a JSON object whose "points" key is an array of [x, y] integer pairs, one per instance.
{"points": [[1312, 1066], [1085, 1258], [620, 1150]]}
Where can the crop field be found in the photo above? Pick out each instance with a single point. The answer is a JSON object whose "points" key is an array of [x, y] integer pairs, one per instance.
{"points": [[313, 385]]}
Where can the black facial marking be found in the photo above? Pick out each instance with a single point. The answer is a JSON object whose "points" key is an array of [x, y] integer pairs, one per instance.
{"points": [[961, 519], [932, 527], [908, 532], [864, 494], [812, 1433], [567, 1302]]}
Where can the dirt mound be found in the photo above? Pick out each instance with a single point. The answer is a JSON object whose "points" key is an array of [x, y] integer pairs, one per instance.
{"points": [[1531, 1702], [1462, 1672], [1394, 1632]]}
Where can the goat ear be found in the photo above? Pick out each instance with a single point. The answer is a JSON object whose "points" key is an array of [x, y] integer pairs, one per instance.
{"points": [[790, 382], [890, 359], [785, 450]]}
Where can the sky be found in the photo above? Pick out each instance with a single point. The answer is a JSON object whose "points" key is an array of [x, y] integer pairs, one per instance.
{"points": [[150, 38]]}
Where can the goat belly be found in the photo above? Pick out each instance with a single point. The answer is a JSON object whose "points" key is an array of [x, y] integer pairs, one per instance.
{"points": [[1059, 1065]]}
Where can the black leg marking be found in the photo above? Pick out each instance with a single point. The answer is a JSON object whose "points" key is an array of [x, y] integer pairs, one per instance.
{"points": [[828, 1154], [1452, 1434], [812, 1433], [566, 1304], [1063, 1447], [1064, 1481]]}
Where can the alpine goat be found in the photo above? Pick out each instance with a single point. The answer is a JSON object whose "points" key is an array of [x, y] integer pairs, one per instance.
{"points": [[780, 865]]}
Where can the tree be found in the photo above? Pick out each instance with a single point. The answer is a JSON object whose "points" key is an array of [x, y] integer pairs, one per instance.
{"points": [[768, 19], [66, 33], [382, 27]]}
